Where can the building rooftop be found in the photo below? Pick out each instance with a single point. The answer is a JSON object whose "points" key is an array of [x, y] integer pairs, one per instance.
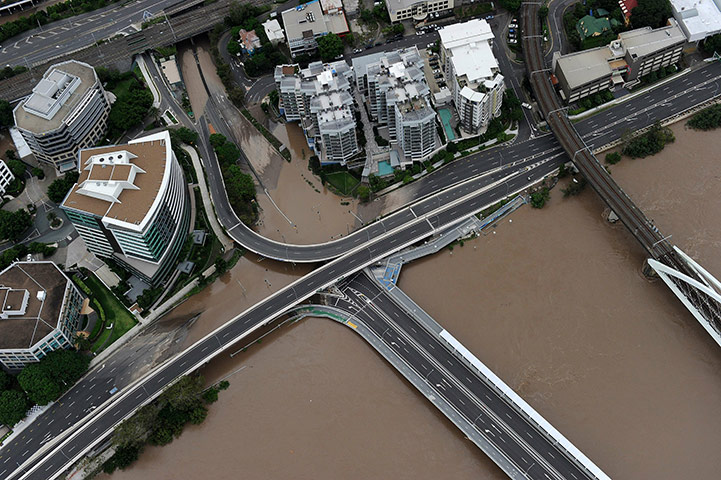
{"points": [[43, 286], [249, 39], [698, 18], [273, 30], [589, 26], [586, 66], [308, 20], [458, 34], [55, 96], [644, 41], [122, 182]]}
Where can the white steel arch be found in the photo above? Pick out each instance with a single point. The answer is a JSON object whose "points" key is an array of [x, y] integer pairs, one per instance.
{"points": [[710, 286]]}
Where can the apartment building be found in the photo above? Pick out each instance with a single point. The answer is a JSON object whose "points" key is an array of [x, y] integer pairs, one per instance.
{"points": [[623, 62], [40, 313], [131, 204], [319, 98], [472, 73], [398, 96], [67, 111], [6, 176]]}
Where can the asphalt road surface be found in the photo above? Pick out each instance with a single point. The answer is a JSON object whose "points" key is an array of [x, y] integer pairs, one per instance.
{"points": [[65, 36], [477, 401]]}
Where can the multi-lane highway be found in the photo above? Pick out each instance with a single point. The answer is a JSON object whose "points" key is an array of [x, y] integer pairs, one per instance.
{"points": [[48, 464], [65, 36], [519, 440]]}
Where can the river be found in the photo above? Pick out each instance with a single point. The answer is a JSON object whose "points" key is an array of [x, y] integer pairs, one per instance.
{"points": [[552, 300]]}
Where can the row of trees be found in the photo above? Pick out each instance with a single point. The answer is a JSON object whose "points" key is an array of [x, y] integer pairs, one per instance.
{"points": [[9, 71], [39, 383], [238, 185], [163, 420]]}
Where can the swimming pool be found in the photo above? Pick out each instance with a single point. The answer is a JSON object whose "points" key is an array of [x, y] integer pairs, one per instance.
{"points": [[446, 121], [384, 168]]}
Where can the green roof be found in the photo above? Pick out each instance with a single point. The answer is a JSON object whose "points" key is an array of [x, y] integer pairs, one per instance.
{"points": [[590, 26], [602, 12]]}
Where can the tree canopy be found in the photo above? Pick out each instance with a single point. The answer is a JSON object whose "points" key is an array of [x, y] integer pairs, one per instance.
{"points": [[330, 46], [651, 13], [13, 405], [14, 224], [61, 186], [129, 109], [56, 372], [6, 114]]}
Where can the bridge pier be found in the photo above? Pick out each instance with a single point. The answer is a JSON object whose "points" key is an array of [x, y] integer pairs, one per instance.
{"points": [[648, 271]]}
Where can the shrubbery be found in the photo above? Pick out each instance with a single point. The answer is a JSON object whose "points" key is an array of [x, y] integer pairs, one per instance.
{"points": [[61, 186], [238, 185], [707, 119], [648, 143]]}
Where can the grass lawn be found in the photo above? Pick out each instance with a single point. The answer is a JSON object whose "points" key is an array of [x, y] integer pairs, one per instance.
{"points": [[124, 86], [344, 182], [115, 312]]}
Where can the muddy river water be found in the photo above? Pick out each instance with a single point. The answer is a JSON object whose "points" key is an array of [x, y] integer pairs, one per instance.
{"points": [[552, 300]]}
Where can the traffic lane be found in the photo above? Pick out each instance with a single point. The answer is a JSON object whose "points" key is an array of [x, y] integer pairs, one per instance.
{"points": [[75, 32], [460, 371], [472, 409], [277, 304], [268, 309]]}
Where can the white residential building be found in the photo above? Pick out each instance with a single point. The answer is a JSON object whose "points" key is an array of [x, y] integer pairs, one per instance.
{"points": [[415, 10], [398, 96], [6, 176], [698, 18], [67, 111], [307, 22], [273, 31], [131, 204], [40, 313], [319, 98], [472, 73]]}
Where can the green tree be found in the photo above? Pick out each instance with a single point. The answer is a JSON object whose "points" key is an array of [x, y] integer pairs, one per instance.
{"points": [[6, 380], [217, 140], [198, 415], [6, 114], [61, 186], [16, 167], [13, 405], [129, 110], [540, 197], [39, 384], [613, 158], [710, 45], [364, 193], [186, 135], [239, 185], [651, 13], [543, 13], [330, 46], [234, 47], [14, 224]]}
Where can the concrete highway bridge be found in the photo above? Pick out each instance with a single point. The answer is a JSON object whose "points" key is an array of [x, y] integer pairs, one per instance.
{"points": [[696, 288]]}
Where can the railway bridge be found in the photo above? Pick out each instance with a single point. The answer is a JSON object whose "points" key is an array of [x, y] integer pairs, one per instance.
{"points": [[697, 289]]}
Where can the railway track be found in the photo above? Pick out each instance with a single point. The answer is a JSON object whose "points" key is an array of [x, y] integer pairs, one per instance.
{"points": [[583, 158]]}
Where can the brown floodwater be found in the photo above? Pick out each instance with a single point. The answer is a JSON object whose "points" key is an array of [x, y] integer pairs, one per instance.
{"points": [[554, 302]]}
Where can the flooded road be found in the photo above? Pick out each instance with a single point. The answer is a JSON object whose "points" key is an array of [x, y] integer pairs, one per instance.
{"points": [[554, 302]]}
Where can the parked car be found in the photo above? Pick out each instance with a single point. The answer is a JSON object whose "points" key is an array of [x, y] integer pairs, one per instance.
{"points": [[513, 25], [489, 17], [512, 40], [526, 105]]}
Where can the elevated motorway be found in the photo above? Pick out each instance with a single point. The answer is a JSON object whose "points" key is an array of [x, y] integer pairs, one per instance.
{"points": [[505, 427], [71, 440], [706, 308]]}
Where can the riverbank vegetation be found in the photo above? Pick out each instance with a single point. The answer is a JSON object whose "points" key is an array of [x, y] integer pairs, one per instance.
{"points": [[648, 143], [707, 119], [163, 420], [238, 185]]}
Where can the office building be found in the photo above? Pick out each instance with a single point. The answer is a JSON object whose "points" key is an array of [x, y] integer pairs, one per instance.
{"points": [[398, 96], [307, 22], [623, 62], [319, 98], [415, 10], [67, 111], [131, 204], [472, 73], [40, 313]]}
